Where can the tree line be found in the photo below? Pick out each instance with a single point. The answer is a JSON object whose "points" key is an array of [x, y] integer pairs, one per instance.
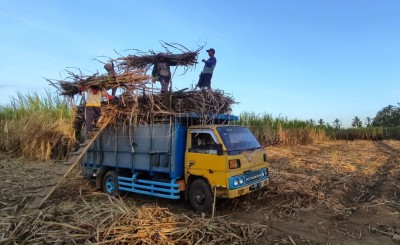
{"points": [[388, 116]]}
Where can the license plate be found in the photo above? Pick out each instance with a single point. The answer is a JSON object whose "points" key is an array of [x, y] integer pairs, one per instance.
{"points": [[255, 186]]}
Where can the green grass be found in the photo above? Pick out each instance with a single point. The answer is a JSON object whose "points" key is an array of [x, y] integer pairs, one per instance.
{"points": [[52, 105], [365, 133], [39, 127], [271, 130]]}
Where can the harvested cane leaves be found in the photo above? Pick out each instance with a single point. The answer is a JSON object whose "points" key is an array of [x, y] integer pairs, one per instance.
{"points": [[108, 220], [143, 108]]}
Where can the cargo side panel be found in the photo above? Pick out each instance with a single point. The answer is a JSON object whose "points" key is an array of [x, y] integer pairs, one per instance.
{"points": [[146, 148], [121, 145], [160, 148], [141, 147]]}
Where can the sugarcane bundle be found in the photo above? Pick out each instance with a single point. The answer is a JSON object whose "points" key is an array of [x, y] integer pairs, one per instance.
{"points": [[127, 72], [130, 81], [142, 60]]}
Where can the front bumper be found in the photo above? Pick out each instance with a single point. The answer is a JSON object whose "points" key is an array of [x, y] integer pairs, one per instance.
{"points": [[247, 189]]}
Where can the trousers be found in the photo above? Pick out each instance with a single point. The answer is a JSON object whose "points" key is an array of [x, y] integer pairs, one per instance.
{"points": [[93, 114]]}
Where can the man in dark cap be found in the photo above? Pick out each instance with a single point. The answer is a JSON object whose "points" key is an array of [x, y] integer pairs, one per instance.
{"points": [[206, 74]]}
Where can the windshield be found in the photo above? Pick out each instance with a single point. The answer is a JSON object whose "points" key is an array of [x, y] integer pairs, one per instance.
{"points": [[238, 138]]}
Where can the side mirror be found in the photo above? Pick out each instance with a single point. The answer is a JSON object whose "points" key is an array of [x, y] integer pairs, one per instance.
{"points": [[220, 152]]}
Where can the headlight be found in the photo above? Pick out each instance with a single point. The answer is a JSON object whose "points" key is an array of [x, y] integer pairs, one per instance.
{"points": [[235, 182], [241, 180], [262, 173]]}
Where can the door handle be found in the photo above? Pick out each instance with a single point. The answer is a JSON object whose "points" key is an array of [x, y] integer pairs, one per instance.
{"points": [[191, 163], [211, 171]]}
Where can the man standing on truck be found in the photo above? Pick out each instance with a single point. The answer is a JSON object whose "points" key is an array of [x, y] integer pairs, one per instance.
{"points": [[161, 71], [93, 106], [206, 74]]}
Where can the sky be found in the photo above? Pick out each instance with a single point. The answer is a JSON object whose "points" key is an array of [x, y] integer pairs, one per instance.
{"points": [[295, 59]]}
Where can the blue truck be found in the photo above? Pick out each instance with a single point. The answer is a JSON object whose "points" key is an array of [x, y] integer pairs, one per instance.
{"points": [[176, 156]]}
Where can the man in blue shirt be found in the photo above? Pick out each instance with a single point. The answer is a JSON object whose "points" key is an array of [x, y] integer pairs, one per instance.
{"points": [[206, 74]]}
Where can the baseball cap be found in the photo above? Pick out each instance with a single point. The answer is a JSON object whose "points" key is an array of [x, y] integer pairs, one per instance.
{"points": [[211, 49]]}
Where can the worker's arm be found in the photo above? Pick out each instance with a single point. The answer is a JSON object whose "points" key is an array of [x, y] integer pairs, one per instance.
{"points": [[106, 95], [210, 62]]}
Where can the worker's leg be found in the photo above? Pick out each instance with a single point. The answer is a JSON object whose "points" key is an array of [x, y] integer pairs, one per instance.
{"points": [[89, 118], [207, 80], [200, 84], [164, 84], [97, 115], [209, 84]]}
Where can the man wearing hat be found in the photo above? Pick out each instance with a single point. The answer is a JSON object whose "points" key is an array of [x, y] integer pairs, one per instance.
{"points": [[206, 74]]}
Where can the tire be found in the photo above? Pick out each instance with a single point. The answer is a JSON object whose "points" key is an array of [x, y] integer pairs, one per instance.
{"points": [[200, 196], [110, 183]]}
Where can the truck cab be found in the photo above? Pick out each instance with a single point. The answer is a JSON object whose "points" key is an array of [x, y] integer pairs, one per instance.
{"points": [[198, 157], [225, 160]]}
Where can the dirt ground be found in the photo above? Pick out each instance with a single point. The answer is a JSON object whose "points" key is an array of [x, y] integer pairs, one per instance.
{"points": [[337, 192]]}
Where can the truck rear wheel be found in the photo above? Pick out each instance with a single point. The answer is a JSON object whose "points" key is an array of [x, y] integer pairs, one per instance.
{"points": [[110, 183], [200, 196]]}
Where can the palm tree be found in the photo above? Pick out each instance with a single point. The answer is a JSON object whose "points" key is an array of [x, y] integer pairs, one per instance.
{"points": [[356, 122], [337, 124], [368, 121], [311, 122], [321, 122]]}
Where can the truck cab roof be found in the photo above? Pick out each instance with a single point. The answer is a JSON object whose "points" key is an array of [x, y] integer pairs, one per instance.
{"points": [[192, 119]]}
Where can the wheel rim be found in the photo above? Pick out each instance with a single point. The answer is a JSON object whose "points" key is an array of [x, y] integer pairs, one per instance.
{"points": [[199, 196], [110, 185]]}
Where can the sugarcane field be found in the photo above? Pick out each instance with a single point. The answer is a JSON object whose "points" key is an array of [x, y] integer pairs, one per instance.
{"points": [[157, 164]]}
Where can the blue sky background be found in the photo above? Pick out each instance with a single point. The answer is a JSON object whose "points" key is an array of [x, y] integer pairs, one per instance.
{"points": [[296, 59]]}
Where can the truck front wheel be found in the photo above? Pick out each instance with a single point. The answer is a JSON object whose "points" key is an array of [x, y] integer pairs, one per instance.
{"points": [[110, 183], [200, 196]]}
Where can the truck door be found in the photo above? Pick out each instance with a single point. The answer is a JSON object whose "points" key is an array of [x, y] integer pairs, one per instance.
{"points": [[202, 157]]}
